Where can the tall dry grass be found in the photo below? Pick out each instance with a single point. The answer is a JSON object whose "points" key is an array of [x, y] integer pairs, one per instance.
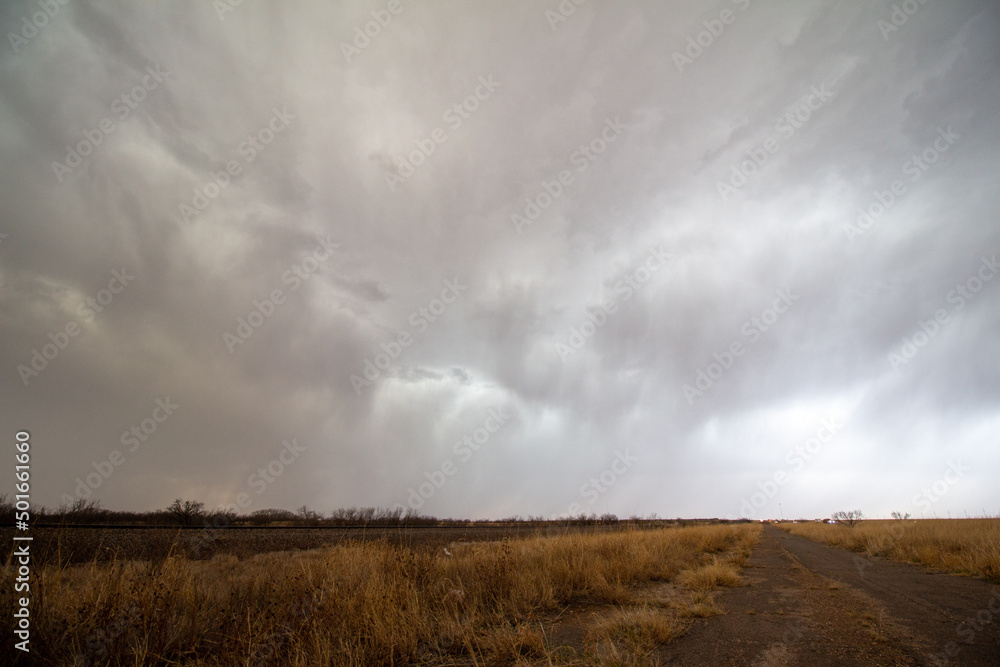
{"points": [[357, 604], [962, 546]]}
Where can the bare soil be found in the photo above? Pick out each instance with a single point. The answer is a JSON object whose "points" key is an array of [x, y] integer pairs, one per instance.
{"points": [[811, 604]]}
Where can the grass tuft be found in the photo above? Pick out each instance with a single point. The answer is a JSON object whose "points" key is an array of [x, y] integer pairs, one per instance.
{"points": [[711, 576]]}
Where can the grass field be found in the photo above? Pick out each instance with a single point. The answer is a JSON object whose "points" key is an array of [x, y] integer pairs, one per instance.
{"points": [[962, 546], [375, 603], [69, 545]]}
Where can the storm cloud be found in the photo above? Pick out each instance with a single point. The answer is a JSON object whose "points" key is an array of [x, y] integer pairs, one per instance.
{"points": [[484, 259]]}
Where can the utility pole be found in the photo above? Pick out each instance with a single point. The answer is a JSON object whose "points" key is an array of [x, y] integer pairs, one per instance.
{"points": [[781, 513]]}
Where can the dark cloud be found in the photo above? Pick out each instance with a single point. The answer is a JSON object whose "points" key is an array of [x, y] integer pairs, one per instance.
{"points": [[821, 186]]}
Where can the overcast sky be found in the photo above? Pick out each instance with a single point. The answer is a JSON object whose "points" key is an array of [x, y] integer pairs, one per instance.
{"points": [[485, 259]]}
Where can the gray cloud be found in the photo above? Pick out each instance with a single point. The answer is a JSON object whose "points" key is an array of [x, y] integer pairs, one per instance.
{"points": [[249, 261]]}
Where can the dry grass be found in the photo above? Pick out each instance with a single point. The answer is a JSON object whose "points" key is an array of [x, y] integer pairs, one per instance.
{"points": [[632, 633], [710, 576], [368, 603], [962, 546], [700, 605], [641, 629]]}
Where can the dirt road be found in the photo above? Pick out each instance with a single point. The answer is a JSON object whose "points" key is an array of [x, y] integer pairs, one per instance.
{"points": [[810, 604]]}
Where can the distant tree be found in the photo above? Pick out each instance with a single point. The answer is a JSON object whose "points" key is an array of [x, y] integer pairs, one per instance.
{"points": [[186, 511], [393, 515], [366, 515], [308, 515], [899, 516], [220, 517], [340, 515], [850, 518], [266, 516], [609, 518], [82, 510], [6, 508]]}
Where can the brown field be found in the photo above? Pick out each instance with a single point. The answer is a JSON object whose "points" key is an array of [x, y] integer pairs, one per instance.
{"points": [[961, 546], [68, 545], [516, 594], [63, 545], [511, 601]]}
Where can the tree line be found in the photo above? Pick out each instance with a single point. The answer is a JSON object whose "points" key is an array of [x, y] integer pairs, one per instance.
{"points": [[186, 512]]}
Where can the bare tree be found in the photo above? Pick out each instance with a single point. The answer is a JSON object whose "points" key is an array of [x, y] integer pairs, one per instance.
{"points": [[899, 516], [82, 510], [220, 518], [266, 516], [850, 518], [308, 515], [186, 511], [389, 514]]}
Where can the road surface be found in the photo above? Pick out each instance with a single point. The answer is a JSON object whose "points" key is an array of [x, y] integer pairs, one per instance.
{"points": [[810, 604]]}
